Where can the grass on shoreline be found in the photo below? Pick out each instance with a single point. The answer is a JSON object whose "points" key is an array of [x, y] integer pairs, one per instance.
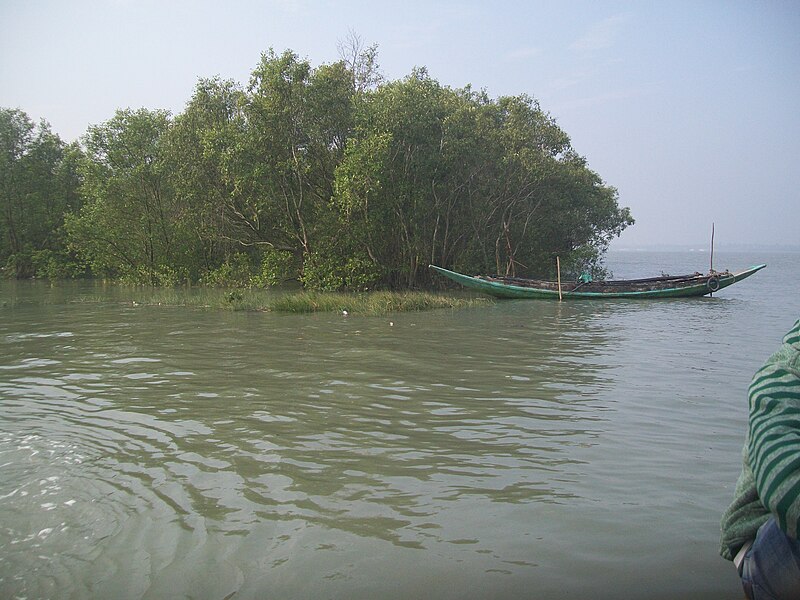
{"points": [[371, 303], [367, 303]]}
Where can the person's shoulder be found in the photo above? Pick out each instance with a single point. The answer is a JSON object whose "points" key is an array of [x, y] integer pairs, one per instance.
{"points": [[792, 338], [779, 377], [789, 354]]}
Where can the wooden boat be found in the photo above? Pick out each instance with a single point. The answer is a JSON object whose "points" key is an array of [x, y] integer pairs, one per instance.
{"points": [[681, 286]]}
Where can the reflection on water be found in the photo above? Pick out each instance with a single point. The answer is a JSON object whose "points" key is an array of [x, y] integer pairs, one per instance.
{"points": [[151, 452]]}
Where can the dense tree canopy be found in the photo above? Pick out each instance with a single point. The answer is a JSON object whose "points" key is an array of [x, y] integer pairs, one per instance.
{"points": [[131, 224], [38, 187], [328, 175]]}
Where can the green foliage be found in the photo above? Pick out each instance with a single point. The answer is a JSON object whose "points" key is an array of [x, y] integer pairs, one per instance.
{"points": [[38, 187], [327, 175], [131, 225], [369, 304], [374, 303], [236, 271], [586, 259], [234, 297], [435, 175], [329, 271], [204, 154], [56, 264], [277, 267], [162, 275]]}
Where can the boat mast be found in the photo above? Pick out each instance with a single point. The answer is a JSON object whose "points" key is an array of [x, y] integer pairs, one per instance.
{"points": [[711, 272], [712, 246]]}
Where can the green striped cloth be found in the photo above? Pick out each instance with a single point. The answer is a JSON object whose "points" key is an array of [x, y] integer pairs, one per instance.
{"points": [[770, 479]]}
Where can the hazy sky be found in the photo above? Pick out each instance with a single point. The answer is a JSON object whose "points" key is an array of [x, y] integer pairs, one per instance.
{"points": [[690, 109]]}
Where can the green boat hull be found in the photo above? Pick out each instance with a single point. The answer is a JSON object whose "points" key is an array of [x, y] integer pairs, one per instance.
{"points": [[666, 287]]}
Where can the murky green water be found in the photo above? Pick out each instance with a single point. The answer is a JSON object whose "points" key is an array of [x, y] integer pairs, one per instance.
{"points": [[529, 449]]}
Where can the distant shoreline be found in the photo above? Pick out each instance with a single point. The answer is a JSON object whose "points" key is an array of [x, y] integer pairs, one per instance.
{"points": [[700, 248]]}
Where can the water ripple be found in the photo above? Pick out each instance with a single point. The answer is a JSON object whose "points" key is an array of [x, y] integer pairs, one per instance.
{"points": [[146, 451]]}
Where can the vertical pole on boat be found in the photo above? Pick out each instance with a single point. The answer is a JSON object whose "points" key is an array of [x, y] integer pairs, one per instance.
{"points": [[711, 271], [558, 268], [712, 246]]}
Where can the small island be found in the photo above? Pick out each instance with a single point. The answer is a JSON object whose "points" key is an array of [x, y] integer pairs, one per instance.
{"points": [[330, 176]]}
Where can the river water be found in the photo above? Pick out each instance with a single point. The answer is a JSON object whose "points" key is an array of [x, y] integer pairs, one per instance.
{"points": [[528, 449]]}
